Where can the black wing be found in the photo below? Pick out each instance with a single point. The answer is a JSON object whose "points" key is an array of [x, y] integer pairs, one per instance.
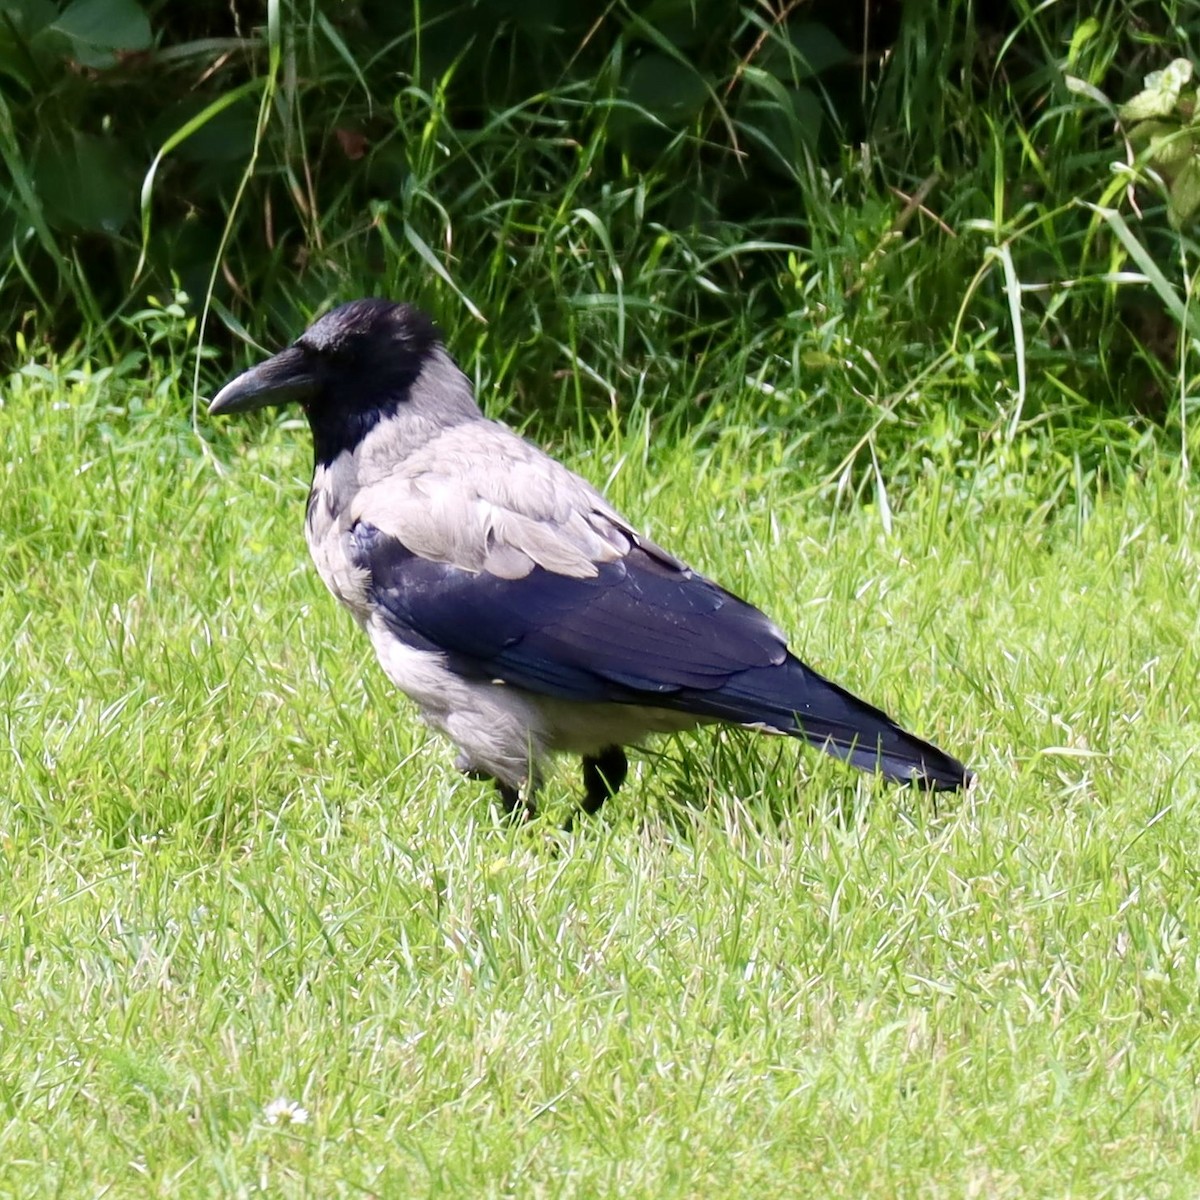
{"points": [[643, 627]]}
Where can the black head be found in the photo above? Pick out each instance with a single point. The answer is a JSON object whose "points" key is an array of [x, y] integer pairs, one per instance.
{"points": [[347, 371]]}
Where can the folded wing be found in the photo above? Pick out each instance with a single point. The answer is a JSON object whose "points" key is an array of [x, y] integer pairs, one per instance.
{"points": [[639, 627], [643, 629]]}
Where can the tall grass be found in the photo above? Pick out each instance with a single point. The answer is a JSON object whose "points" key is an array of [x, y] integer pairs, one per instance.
{"points": [[591, 206]]}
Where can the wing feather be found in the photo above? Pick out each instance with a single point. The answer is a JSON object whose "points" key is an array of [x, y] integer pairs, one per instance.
{"points": [[481, 498], [634, 628]]}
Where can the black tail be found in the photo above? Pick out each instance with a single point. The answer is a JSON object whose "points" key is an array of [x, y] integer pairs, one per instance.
{"points": [[795, 700]]}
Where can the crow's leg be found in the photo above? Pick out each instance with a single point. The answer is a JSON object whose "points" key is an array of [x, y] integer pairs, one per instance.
{"points": [[514, 807], [510, 795], [602, 777]]}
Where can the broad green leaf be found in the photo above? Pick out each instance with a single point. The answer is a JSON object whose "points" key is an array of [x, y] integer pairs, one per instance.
{"points": [[681, 22], [665, 87], [1170, 147], [1185, 194], [784, 120], [1161, 92], [816, 49], [801, 51], [86, 183], [1174, 75], [222, 134], [104, 25], [1170, 151], [1153, 102]]}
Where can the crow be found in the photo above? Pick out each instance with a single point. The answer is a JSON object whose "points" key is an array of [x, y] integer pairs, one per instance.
{"points": [[502, 593]]}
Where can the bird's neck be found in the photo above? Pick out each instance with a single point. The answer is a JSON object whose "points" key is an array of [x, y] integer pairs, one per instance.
{"points": [[336, 434], [384, 429]]}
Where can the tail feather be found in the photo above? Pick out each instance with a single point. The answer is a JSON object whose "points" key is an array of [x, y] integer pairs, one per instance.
{"points": [[793, 699]]}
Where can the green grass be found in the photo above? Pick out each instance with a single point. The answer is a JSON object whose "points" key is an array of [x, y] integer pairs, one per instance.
{"points": [[235, 870]]}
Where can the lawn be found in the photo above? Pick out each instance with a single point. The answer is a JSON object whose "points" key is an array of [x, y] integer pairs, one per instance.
{"points": [[260, 938]]}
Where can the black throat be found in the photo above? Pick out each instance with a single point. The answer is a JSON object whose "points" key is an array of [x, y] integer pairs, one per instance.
{"points": [[337, 430], [350, 403]]}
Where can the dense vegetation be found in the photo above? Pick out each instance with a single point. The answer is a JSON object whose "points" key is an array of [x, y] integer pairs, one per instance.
{"points": [[918, 191], [880, 314]]}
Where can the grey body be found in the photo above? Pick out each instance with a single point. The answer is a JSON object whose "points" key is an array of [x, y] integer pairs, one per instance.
{"points": [[474, 494], [521, 613]]}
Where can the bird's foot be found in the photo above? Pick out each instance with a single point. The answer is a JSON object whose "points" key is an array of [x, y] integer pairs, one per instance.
{"points": [[515, 809], [602, 777]]}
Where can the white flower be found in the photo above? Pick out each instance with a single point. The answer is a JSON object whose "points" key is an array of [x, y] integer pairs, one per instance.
{"points": [[285, 1112]]}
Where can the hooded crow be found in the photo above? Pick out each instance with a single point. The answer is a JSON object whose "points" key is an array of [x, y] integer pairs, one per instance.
{"points": [[502, 593]]}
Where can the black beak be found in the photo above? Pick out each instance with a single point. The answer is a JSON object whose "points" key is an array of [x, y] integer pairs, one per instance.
{"points": [[284, 379]]}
